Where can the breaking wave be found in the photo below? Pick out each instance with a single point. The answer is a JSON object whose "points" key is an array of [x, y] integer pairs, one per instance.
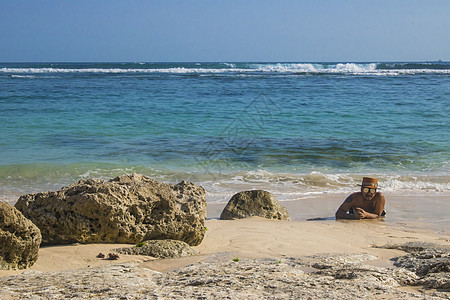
{"points": [[383, 69], [296, 186], [19, 180]]}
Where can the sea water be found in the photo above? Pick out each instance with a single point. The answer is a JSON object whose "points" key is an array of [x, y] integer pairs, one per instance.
{"points": [[296, 129]]}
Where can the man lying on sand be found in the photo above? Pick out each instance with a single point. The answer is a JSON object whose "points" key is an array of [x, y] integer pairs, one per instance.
{"points": [[367, 204]]}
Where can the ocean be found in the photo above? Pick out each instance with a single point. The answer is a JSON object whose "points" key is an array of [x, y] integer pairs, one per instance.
{"points": [[299, 130]]}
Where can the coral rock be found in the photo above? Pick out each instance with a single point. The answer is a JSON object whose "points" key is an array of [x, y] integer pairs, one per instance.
{"points": [[126, 209], [19, 239], [160, 249], [254, 203]]}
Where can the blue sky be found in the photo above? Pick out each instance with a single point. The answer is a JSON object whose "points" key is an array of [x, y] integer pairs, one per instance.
{"points": [[207, 30]]}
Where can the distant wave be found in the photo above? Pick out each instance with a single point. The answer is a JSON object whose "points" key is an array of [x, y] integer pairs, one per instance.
{"points": [[382, 69], [414, 66], [23, 76], [340, 68]]}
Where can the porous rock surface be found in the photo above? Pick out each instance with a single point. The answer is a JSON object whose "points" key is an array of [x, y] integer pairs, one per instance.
{"points": [[160, 249], [254, 203], [126, 209], [334, 276], [19, 239], [431, 262]]}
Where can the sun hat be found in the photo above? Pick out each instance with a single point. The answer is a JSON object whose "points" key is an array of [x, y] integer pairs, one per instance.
{"points": [[369, 182]]}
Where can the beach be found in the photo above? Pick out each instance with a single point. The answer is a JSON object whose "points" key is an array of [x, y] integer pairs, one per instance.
{"points": [[305, 132], [252, 238], [252, 241]]}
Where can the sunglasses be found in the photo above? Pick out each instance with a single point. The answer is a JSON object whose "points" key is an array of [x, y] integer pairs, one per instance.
{"points": [[372, 191]]}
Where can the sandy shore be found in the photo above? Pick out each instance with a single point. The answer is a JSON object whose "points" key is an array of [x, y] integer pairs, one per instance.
{"points": [[275, 259], [409, 219], [253, 241], [255, 238]]}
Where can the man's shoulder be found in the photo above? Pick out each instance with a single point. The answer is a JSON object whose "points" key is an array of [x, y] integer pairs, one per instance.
{"points": [[352, 197], [379, 195]]}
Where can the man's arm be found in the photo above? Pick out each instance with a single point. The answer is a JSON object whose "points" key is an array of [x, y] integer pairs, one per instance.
{"points": [[366, 215], [379, 202], [341, 213]]}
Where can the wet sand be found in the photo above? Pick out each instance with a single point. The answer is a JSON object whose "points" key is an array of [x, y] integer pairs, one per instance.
{"points": [[422, 211]]}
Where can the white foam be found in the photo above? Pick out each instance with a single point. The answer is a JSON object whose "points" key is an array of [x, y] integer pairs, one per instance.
{"points": [[288, 186], [229, 65], [289, 68], [220, 187], [355, 68], [23, 76]]}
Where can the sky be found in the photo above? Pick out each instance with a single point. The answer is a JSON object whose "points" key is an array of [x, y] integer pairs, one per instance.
{"points": [[224, 31]]}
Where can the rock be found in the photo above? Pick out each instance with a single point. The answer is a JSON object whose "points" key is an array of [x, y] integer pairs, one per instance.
{"points": [[440, 281], [111, 281], [217, 277], [127, 209], [254, 203], [351, 266], [160, 249], [429, 261], [112, 256], [19, 239]]}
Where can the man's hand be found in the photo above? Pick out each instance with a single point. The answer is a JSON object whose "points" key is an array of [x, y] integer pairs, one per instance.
{"points": [[360, 213]]}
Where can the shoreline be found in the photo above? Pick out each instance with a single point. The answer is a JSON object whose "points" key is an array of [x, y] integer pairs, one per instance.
{"points": [[16, 181], [416, 211]]}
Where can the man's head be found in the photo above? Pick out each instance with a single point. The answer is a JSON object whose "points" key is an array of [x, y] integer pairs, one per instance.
{"points": [[369, 188]]}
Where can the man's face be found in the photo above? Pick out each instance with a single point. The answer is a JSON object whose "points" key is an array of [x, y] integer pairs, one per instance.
{"points": [[368, 193]]}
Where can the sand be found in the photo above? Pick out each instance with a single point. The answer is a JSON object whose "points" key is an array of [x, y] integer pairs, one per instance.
{"points": [[255, 238]]}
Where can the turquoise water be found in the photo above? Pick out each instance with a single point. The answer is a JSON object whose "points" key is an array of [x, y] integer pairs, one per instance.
{"points": [[294, 128]]}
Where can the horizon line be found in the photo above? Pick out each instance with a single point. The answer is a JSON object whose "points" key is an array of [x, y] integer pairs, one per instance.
{"points": [[222, 61]]}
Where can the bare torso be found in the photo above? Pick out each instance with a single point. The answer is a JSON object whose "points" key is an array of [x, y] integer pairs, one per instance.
{"points": [[363, 206]]}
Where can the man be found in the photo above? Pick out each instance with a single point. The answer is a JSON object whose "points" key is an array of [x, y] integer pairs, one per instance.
{"points": [[367, 204]]}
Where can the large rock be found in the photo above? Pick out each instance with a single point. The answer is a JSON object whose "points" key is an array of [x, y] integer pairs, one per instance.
{"points": [[126, 209], [254, 203], [19, 239]]}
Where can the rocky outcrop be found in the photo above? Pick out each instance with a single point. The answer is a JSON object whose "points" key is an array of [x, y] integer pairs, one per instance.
{"points": [[19, 239], [126, 209], [353, 267], [254, 203], [160, 249], [431, 262], [219, 277]]}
